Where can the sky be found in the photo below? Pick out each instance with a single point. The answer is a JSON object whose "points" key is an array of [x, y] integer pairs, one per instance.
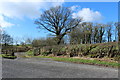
{"points": [[17, 18]]}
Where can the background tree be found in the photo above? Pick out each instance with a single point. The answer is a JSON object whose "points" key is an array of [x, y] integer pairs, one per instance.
{"points": [[95, 34], [6, 39], [0, 38], [38, 42], [29, 40], [76, 36], [101, 31], [109, 31], [117, 25], [57, 20], [0, 34], [87, 33], [81, 34], [17, 40]]}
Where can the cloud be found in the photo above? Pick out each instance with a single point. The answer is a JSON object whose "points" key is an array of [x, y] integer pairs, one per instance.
{"points": [[31, 0], [74, 8], [18, 9], [4, 23], [88, 15]]}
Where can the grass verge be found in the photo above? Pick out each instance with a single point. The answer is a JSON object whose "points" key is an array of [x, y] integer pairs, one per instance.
{"points": [[8, 56], [29, 54], [85, 61]]}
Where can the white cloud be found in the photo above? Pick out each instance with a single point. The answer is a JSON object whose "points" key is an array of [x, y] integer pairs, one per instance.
{"points": [[74, 8], [88, 15], [18, 9], [31, 0], [4, 23]]}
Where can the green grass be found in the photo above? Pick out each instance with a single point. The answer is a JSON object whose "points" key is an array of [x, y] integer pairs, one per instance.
{"points": [[85, 61], [77, 60], [0, 55], [7, 56], [29, 53]]}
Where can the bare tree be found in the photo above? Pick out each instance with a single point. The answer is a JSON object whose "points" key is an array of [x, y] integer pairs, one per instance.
{"points": [[109, 31], [87, 33], [0, 34], [29, 40], [76, 36], [24, 40], [16, 40], [101, 32], [0, 38], [6, 39], [39, 42], [117, 25], [57, 20], [95, 34]]}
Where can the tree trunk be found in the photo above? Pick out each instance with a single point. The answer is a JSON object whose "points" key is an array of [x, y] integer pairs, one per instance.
{"points": [[58, 42], [108, 39], [59, 38], [100, 39], [119, 38]]}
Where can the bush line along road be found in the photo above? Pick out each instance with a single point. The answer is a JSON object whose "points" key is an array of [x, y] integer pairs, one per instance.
{"points": [[39, 63]]}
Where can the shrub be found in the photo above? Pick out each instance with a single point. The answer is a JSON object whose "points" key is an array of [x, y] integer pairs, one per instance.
{"points": [[9, 56], [98, 50], [30, 53], [59, 50], [117, 58], [45, 50], [36, 51], [45, 53]]}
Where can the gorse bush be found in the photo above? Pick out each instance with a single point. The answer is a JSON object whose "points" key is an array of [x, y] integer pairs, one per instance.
{"points": [[98, 50], [36, 51], [11, 48], [30, 53], [45, 53]]}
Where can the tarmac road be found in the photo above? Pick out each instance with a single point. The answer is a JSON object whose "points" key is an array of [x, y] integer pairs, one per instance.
{"points": [[47, 68]]}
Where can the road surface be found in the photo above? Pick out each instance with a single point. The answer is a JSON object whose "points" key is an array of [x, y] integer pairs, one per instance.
{"points": [[47, 68]]}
